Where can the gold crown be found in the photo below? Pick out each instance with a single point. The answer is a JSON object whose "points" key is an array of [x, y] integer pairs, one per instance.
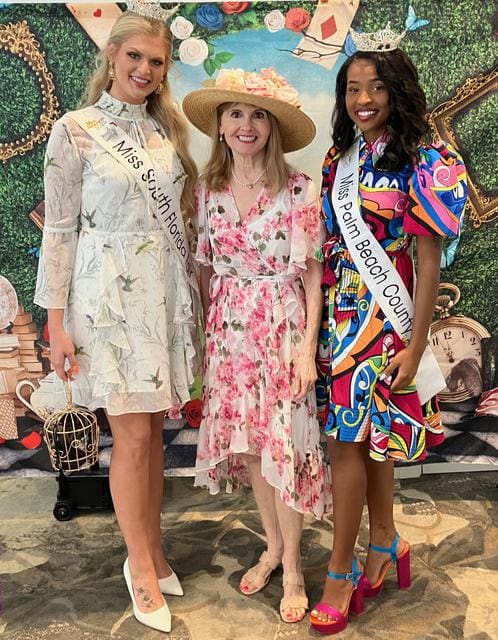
{"points": [[150, 9], [384, 40]]}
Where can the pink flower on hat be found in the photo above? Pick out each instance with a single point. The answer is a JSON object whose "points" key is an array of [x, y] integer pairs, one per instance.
{"points": [[267, 83]]}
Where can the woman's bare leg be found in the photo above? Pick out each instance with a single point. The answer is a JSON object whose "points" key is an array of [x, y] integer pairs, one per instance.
{"points": [[290, 522], [156, 493], [380, 499], [349, 485], [264, 495], [130, 485]]}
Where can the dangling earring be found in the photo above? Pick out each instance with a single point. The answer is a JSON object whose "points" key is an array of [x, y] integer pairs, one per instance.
{"points": [[159, 88], [112, 75], [221, 137]]}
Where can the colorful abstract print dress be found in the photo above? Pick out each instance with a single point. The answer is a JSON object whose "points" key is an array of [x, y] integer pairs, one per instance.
{"points": [[254, 327], [357, 341]]}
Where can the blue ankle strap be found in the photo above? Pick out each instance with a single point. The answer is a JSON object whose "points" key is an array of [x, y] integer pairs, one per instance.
{"points": [[354, 576], [391, 550]]}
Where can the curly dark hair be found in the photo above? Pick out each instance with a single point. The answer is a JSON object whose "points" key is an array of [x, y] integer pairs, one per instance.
{"points": [[407, 123]]}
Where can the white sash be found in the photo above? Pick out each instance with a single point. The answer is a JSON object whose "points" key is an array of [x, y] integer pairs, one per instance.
{"points": [[161, 195], [377, 270]]}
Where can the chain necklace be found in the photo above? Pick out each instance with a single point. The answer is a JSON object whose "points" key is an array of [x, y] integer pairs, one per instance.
{"points": [[248, 185]]}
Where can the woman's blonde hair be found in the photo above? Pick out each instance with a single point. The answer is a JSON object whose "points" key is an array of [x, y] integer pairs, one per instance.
{"points": [[220, 164], [159, 105]]}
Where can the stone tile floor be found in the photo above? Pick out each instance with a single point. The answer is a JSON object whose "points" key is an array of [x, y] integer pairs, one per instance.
{"points": [[62, 580]]}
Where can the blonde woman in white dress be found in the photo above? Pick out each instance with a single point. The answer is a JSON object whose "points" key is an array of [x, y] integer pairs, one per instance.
{"points": [[115, 275]]}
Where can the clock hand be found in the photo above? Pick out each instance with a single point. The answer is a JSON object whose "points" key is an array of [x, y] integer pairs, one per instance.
{"points": [[449, 352]]}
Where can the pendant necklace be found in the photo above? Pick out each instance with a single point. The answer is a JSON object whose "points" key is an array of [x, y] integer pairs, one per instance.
{"points": [[248, 185]]}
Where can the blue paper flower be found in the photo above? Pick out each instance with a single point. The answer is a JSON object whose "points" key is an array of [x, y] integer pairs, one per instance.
{"points": [[209, 17]]}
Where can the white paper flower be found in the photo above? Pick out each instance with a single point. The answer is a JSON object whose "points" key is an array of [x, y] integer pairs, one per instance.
{"points": [[193, 51], [275, 20], [181, 28]]}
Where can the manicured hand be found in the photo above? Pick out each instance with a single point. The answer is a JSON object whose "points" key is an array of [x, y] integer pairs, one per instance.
{"points": [[405, 364], [305, 376], [62, 349]]}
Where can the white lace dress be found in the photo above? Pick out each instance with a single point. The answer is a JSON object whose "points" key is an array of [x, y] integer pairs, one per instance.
{"points": [[106, 260]]}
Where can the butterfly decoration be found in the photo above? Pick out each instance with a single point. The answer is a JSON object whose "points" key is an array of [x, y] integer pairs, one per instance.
{"points": [[412, 23], [449, 254], [34, 251], [349, 45]]}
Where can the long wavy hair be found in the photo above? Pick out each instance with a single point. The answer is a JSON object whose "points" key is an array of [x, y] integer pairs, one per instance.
{"points": [[219, 167], [159, 105], [407, 125]]}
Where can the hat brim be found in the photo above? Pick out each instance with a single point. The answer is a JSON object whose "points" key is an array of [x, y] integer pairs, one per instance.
{"points": [[297, 129]]}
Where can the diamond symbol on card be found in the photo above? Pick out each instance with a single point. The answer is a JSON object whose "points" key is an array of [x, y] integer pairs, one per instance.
{"points": [[329, 27]]}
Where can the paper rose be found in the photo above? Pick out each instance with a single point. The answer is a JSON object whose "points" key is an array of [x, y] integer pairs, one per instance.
{"points": [[234, 7], [181, 28], [297, 19], [274, 21], [193, 413], [193, 51], [209, 17]]}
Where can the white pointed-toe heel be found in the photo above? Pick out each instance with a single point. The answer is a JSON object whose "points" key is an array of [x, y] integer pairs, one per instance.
{"points": [[171, 586], [159, 619]]}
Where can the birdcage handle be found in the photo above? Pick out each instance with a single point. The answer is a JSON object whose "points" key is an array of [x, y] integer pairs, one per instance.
{"points": [[69, 394]]}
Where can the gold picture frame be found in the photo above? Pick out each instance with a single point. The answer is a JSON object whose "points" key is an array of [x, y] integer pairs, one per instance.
{"points": [[18, 39], [481, 207]]}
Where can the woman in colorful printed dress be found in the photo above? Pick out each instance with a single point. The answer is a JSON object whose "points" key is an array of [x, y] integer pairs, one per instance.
{"points": [[375, 411], [259, 231], [120, 297]]}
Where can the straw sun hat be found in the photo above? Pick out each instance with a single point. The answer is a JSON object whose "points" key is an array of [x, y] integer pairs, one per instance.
{"points": [[266, 90]]}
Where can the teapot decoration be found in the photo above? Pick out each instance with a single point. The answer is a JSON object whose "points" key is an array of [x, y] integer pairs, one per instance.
{"points": [[45, 399]]}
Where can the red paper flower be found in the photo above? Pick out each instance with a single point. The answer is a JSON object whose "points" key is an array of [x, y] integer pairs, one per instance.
{"points": [[192, 411], [234, 7], [297, 19]]}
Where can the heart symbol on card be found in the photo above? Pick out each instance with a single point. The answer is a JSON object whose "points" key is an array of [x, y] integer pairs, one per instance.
{"points": [[97, 13]]}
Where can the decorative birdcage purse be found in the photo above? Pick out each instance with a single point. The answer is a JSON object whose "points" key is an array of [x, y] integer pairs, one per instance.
{"points": [[72, 437]]}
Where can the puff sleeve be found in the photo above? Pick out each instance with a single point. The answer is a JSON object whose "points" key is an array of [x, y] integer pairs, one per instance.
{"points": [[437, 193], [62, 177], [203, 252], [308, 232]]}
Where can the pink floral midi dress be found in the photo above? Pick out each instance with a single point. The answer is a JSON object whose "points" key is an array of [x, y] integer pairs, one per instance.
{"points": [[254, 328]]}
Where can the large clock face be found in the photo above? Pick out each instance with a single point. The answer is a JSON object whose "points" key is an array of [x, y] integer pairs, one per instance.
{"points": [[456, 343]]}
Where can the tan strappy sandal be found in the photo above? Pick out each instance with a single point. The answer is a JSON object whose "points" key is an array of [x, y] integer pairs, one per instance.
{"points": [[259, 575], [293, 602]]}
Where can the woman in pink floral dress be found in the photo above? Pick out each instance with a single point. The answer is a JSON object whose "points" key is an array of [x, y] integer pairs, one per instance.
{"points": [[259, 231]]}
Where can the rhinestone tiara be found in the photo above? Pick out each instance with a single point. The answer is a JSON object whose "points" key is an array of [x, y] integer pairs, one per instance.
{"points": [[150, 9], [384, 40]]}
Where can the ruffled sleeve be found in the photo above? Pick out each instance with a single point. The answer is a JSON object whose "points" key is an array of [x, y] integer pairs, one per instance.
{"points": [[203, 252], [328, 177], [437, 192], [308, 232], [62, 175]]}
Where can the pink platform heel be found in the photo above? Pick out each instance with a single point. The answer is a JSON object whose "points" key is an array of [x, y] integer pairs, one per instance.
{"points": [[340, 618], [402, 563]]}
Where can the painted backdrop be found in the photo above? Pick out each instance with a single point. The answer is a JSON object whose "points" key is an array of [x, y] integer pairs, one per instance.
{"points": [[46, 51]]}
